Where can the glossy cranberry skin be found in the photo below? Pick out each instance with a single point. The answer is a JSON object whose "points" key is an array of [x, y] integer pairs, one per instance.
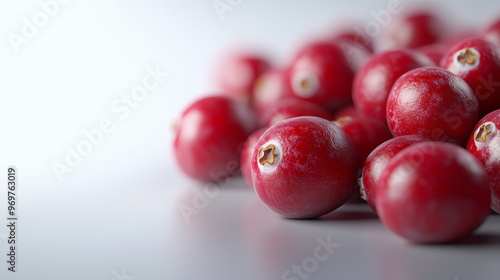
{"points": [[413, 31], [366, 133], [373, 82], [433, 192], [209, 137], [434, 103], [376, 162], [320, 74], [269, 89], [492, 32], [484, 144], [477, 61], [304, 167], [246, 155], [292, 107], [238, 72]]}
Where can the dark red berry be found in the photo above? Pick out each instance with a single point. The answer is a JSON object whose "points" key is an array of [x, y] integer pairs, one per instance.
{"points": [[484, 144], [376, 162], [433, 192], [434, 103], [477, 61], [304, 167], [374, 80], [321, 74], [209, 137]]}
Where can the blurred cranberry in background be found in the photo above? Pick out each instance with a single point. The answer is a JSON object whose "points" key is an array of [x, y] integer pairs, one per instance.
{"points": [[492, 32], [321, 74], [412, 31], [209, 136], [269, 89], [237, 73]]}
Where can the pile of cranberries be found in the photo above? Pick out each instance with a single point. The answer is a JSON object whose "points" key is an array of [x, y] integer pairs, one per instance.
{"points": [[414, 129]]}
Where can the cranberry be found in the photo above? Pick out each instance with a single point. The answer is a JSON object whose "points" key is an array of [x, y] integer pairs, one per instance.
{"points": [[492, 33], [373, 82], [366, 133], [320, 74], [304, 167], [376, 162], [434, 103], [413, 31], [484, 144], [433, 192], [209, 135], [269, 89], [477, 61], [237, 73], [291, 107], [246, 155]]}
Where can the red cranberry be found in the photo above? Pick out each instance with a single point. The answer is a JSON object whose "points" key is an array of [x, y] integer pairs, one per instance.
{"points": [[433, 192], [320, 74], [291, 107], [269, 89], [434, 103], [236, 74], [374, 80], [304, 167], [209, 135], [477, 61], [246, 155], [413, 31], [492, 33], [376, 162], [366, 133], [484, 144]]}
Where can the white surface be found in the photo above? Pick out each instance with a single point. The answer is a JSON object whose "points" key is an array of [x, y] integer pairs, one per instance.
{"points": [[119, 207]]}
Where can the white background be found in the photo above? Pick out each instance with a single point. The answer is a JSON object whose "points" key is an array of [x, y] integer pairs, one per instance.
{"points": [[119, 206]]}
